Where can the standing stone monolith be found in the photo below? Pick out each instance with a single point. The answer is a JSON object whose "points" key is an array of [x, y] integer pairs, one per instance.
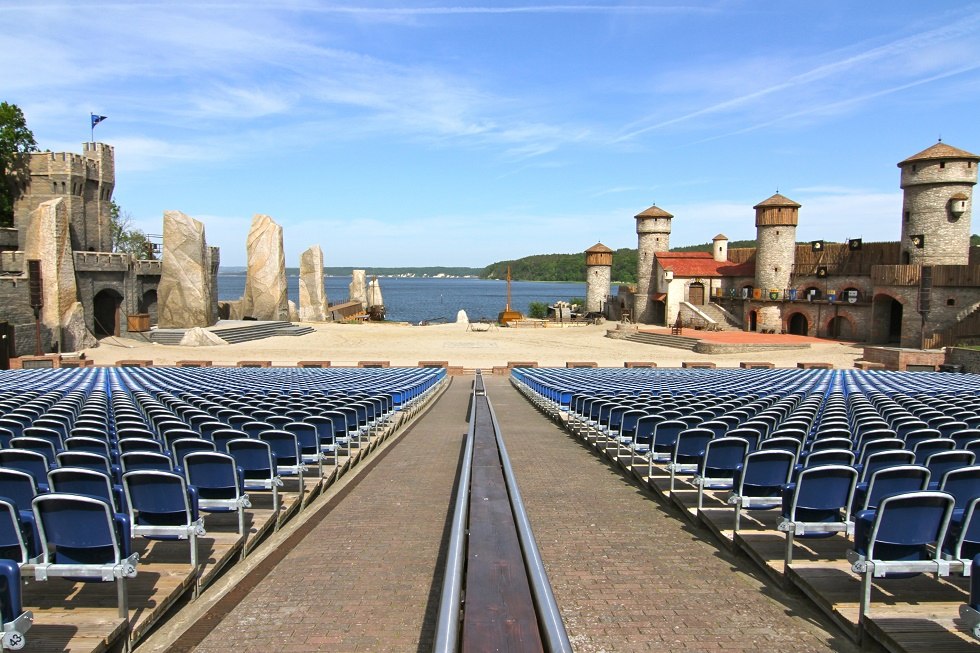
{"points": [[185, 296], [312, 295], [265, 279], [374, 294], [357, 290], [48, 240]]}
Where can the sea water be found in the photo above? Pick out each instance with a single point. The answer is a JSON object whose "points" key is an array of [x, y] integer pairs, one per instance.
{"points": [[416, 299]]}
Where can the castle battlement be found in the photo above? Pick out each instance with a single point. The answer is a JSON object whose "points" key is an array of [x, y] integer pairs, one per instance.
{"points": [[96, 164]]}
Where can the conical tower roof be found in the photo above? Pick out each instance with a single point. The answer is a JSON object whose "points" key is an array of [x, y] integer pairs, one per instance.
{"points": [[777, 200], [598, 248], [940, 151], [654, 212]]}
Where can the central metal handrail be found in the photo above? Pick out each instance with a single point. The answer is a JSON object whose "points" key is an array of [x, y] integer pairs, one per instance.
{"points": [[550, 625]]}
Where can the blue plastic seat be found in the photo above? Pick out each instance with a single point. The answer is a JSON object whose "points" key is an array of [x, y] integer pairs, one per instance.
{"points": [[716, 468], [887, 481], [259, 467], [29, 462], [89, 483], [145, 460], [219, 483], [902, 537], [818, 504], [162, 506], [15, 620], [942, 462], [759, 481], [688, 451], [82, 539]]}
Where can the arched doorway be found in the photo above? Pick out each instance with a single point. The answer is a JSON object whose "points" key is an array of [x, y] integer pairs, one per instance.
{"points": [[695, 293], [840, 328], [658, 312], [753, 320], [798, 324], [887, 320], [148, 305], [105, 316]]}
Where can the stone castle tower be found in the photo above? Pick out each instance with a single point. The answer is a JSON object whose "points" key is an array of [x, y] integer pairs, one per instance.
{"points": [[775, 222], [653, 235], [84, 182], [938, 184], [598, 277]]}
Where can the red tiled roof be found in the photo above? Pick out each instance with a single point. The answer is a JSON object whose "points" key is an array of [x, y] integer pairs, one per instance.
{"points": [[702, 264]]}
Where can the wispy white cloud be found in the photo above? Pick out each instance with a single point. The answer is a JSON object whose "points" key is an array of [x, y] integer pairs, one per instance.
{"points": [[839, 82]]}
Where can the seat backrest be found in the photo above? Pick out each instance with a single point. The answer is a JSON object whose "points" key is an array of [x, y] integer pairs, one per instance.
{"points": [[12, 545], [791, 445], [665, 433], [887, 458], [182, 447], [85, 482], [154, 494], [145, 460], [130, 445], [963, 483], [212, 472], [43, 447], [943, 461], [283, 444], [912, 519], [691, 442], [18, 486], [79, 530], [829, 443], [895, 480], [31, 462], [824, 487], [926, 448], [767, 468], [823, 457], [723, 455], [85, 460]]}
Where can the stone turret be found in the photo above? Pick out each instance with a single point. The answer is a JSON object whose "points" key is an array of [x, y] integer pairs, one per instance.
{"points": [[719, 248], [84, 182], [598, 277], [936, 210], [775, 223], [653, 235]]}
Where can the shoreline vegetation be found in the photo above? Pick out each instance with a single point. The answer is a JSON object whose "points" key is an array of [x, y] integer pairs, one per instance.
{"points": [[537, 267]]}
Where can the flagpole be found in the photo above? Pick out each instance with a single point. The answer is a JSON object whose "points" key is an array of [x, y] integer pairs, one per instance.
{"points": [[92, 123]]}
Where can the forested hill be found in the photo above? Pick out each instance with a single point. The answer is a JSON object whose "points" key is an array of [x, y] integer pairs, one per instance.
{"points": [[571, 267]]}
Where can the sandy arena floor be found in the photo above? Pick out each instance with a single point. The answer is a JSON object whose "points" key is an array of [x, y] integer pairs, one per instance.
{"points": [[402, 345]]}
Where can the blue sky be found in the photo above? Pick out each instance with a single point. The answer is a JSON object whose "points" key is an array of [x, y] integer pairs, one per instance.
{"points": [[426, 133]]}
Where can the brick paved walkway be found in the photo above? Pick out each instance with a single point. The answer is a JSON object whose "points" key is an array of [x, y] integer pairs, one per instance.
{"points": [[629, 576], [368, 577]]}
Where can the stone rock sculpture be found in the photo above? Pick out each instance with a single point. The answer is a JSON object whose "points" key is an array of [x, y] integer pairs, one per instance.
{"points": [[374, 294], [48, 240], [198, 337], [357, 290], [312, 295], [265, 279], [186, 297]]}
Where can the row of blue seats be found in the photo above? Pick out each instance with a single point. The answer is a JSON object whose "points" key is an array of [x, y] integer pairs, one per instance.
{"points": [[891, 466], [93, 458]]}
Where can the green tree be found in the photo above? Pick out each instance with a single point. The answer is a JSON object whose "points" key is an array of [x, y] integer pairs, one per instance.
{"points": [[15, 140], [537, 310], [124, 237]]}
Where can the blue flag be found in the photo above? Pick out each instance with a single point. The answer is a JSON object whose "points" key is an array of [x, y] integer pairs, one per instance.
{"points": [[97, 119]]}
